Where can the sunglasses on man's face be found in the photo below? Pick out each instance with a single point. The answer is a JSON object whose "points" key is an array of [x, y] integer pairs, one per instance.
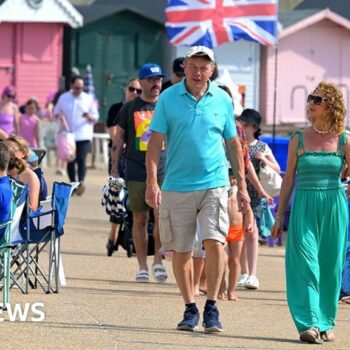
{"points": [[132, 89], [10, 96], [317, 100]]}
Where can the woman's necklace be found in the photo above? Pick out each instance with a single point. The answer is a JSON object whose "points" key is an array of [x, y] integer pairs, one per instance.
{"points": [[321, 132]]}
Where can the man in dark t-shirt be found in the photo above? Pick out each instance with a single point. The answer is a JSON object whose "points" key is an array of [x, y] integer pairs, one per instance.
{"points": [[133, 122]]}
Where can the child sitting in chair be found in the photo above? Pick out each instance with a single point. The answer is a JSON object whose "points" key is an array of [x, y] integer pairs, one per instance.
{"points": [[5, 187]]}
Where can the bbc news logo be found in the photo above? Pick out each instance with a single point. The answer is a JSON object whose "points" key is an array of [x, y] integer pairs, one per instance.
{"points": [[29, 312]]}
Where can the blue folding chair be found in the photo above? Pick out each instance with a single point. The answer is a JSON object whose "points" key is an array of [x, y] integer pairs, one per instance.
{"points": [[11, 240], [44, 229]]}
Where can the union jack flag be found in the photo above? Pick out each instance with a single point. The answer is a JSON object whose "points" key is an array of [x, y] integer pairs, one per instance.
{"points": [[214, 22]]}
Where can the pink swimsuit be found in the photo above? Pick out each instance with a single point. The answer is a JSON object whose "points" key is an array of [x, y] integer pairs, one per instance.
{"points": [[28, 126], [7, 123]]}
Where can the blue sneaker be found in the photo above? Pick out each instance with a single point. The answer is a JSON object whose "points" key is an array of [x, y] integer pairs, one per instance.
{"points": [[211, 321], [190, 320]]}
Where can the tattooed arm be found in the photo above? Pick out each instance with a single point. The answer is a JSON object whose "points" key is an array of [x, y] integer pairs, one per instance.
{"points": [[117, 147]]}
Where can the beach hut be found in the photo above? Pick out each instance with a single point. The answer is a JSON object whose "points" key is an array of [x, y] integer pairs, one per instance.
{"points": [[314, 45], [31, 37]]}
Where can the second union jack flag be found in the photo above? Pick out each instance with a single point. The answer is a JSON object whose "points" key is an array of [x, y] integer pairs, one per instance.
{"points": [[214, 22]]}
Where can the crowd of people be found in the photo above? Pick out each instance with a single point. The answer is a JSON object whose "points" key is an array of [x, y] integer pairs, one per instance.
{"points": [[179, 142], [74, 112], [193, 166]]}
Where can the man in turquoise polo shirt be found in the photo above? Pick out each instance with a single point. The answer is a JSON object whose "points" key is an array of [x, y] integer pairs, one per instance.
{"points": [[195, 119]]}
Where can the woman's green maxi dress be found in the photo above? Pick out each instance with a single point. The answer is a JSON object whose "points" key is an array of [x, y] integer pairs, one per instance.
{"points": [[316, 241]]}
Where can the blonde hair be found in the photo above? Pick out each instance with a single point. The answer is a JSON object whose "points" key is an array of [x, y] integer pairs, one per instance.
{"points": [[336, 112], [21, 143], [16, 163]]}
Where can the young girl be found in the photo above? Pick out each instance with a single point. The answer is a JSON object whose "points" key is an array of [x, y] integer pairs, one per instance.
{"points": [[240, 225], [260, 155], [29, 123]]}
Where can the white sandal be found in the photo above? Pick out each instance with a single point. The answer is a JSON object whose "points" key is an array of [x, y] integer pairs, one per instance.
{"points": [[142, 276], [159, 273], [252, 283]]}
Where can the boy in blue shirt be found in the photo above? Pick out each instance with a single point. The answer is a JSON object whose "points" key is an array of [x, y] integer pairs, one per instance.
{"points": [[5, 187]]}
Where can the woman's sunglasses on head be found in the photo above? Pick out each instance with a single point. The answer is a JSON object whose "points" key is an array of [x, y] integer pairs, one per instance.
{"points": [[317, 100], [132, 89]]}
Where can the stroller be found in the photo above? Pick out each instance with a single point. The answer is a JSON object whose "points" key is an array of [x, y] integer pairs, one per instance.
{"points": [[115, 200], [125, 239]]}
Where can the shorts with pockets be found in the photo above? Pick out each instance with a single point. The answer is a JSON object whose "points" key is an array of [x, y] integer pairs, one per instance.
{"points": [[180, 211]]}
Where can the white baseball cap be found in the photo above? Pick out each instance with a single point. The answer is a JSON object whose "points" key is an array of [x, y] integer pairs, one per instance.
{"points": [[201, 51]]}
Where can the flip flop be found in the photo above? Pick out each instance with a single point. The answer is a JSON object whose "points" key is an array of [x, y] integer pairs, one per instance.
{"points": [[311, 336], [142, 276], [159, 273]]}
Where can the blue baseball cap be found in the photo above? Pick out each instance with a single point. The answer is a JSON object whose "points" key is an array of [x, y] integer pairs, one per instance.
{"points": [[150, 70]]}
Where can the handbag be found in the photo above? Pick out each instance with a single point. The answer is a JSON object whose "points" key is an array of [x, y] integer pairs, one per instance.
{"points": [[270, 180], [66, 146], [266, 219], [65, 143]]}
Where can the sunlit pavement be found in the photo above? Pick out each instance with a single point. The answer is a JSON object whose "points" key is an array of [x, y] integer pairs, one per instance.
{"points": [[103, 308]]}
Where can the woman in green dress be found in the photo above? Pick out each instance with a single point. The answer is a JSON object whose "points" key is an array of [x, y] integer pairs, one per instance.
{"points": [[317, 233]]}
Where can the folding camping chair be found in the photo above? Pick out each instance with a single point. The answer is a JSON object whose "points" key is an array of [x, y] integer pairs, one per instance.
{"points": [[12, 240], [44, 229]]}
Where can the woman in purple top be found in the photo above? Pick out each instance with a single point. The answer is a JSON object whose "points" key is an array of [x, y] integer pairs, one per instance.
{"points": [[8, 112], [29, 123]]}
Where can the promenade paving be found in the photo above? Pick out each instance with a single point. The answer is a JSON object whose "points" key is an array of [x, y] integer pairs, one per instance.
{"points": [[103, 308]]}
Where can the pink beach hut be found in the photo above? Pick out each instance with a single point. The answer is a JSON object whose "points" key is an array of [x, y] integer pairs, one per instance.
{"points": [[31, 37], [313, 45]]}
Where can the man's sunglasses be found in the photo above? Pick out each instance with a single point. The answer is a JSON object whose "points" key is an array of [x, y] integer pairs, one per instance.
{"points": [[10, 96], [317, 100], [132, 89]]}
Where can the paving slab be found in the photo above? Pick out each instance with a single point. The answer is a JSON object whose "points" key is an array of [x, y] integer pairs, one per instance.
{"points": [[103, 308]]}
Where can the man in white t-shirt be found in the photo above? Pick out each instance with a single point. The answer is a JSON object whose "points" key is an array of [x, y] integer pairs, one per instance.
{"points": [[79, 110]]}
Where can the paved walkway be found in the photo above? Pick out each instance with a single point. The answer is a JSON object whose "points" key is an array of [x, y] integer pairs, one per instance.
{"points": [[103, 308]]}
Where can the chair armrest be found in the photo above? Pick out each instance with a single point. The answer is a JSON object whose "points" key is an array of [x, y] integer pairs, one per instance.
{"points": [[4, 224], [38, 214]]}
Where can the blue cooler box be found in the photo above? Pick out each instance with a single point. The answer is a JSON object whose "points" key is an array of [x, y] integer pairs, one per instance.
{"points": [[279, 147]]}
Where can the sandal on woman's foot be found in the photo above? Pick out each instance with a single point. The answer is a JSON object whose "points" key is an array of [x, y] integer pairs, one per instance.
{"points": [[327, 336], [159, 273], [311, 336], [142, 276]]}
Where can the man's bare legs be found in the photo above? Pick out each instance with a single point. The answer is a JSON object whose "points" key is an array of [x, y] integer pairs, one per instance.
{"points": [[140, 237], [183, 272]]}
